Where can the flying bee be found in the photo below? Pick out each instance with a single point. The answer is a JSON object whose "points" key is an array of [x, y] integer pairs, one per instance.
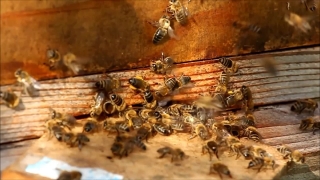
{"points": [[251, 133], [298, 22], [200, 130], [96, 109], [118, 102], [63, 119], [91, 126], [245, 26], [163, 28], [270, 65], [162, 66], [229, 66], [178, 11], [11, 99], [109, 85], [70, 175], [300, 105], [72, 62], [116, 126], [138, 84], [54, 129], [220, 169], [145, 132], [175, 153], [217, 102], [133, 119], [163, 129], [211, 147], [150, 100], [306, 123], [30, 84], [54, 59], [311, 5], [262, 162], [222, 87]]}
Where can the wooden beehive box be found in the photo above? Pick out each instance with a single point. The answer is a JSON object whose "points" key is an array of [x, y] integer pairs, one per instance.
{"points": [[115, 37]]}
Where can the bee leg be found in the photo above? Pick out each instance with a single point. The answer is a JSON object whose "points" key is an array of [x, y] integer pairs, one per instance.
{"points": [[79, 146], [203, 149], [162, 155], [260, 167], [220, 175], [216, 153], [301, 110]]}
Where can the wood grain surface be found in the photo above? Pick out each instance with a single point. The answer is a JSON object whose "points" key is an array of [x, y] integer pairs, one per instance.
{"points": [[115, 35]]}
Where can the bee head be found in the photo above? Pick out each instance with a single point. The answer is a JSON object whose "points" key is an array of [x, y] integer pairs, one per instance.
{"points": [[113, 96], [153, 66], [18, 73]]}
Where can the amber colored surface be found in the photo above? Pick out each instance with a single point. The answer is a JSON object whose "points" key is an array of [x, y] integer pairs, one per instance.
{"points": [[114, 34]]}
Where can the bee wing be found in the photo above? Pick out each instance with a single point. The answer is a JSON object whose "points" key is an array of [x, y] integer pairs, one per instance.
{"points": [[164, 101], [35, 83], [209, 102], [171, 33], [185, 10]]}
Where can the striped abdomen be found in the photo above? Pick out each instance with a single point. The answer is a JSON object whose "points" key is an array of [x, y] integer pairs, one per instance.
{"points": [[148, 96], [140, 144], [224, 79], [252, 133], [172, 83], [298, 106], [230, 101], [181, 16], [162, 129], [116, 99], [178, 126], [284, 151], [256, 162], [311, 5], [184, 80], [226, 62], [159, 35]]}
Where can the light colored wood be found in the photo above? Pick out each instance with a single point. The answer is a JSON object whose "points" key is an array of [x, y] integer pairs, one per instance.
{"points": [[124, 41], [75, 95]]}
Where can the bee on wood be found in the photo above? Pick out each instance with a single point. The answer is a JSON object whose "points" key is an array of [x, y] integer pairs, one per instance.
{"points": [[298, 22], [293, 155], [113, 126], [252, 133], [311, 5], [69, 138], [306, 123], [11, 99], [108, 85], [133, 119], [212, 148], [164, 28], [125, 145], [54, 129], [170, 84], [223, 83], [31, 86], [244, 121], [54, 59], [179, 126], [200, 130], [175, 153], [118, 102], [63, 119], [229, 66], [217, 102], [300, 105], [262, 162], [178, 11], [257, 151], [139, 84], [91, 126], [162, 66], [96, 109], [145, 132], [237, 148], [70, 175], [150, 100], [315, 126], [220, 169], [163, 129], [81, 139]]}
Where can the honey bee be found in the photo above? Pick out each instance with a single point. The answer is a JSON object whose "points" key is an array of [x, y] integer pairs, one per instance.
{"points": [[245, 26], [116, 126], [124, 146], [133, 119], [174, 109], [315, 126], [248, 100], [220, 169], [179, 126], [310, 5], [200, 130], [175, 153], [300, 105], [229, 66], [217, 102], [163, 28], [66, 120], [163, 129], [162, 66], [306, 123], [293, 155], [91, 126], [244, 121], [211, 147], [262, 162], [252, 133], [270, 65], [71, 61], [118, 102], [70, 175], [184, 80], [223, 83], [54, 59], [150, 100], [145, 132], [81, 139], [257, 151], [178, 11], [30, 84], [54, 129], [147, 114], [108, 85], [234, 98], [96, 109], [170, 84], [298, 22], [139, 84], [11, 99]]}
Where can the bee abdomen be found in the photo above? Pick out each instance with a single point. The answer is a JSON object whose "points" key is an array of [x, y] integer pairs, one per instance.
{"points": [[140, 144], [123, 127], [226, 62], [117, 100], [178, 126], [255, 162], [185, 80], [148, 96], [162, 129], [100, 84], [297, 106], [158, 35], [181, 17], [171, 83]]}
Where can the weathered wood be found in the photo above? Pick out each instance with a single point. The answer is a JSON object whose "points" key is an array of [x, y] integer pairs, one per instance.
{"points": [[125, 40], [75, 95]]}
